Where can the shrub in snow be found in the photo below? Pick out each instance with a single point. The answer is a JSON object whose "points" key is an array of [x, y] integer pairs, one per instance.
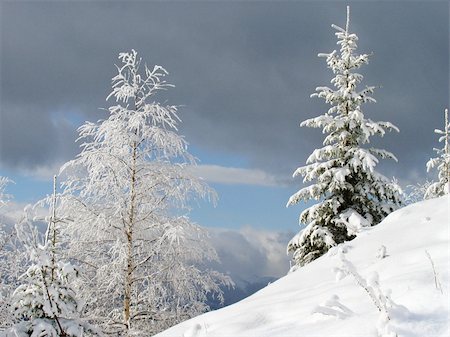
{"points": [[127, 194], [351, 193], [45, 304], [5, 240], [11, 254], [441, 163]]}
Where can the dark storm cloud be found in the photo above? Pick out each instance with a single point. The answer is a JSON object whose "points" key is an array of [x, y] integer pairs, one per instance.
{"points": [[243, 70], [31, 137]]}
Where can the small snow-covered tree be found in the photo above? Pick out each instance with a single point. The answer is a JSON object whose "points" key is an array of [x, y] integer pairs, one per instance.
{"points": [[12, 253], [127, 193], [4, 198], [45, 304], [351, 193], [5, 237], [441, 163]]}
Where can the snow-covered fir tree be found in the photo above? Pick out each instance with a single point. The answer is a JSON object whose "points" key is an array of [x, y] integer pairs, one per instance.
{"points": [[45, 304], [441, 163], [127, 193], [351, 194]]}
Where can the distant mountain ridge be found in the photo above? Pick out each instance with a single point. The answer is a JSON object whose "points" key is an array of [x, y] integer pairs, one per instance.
{"points": [[242, 290]]}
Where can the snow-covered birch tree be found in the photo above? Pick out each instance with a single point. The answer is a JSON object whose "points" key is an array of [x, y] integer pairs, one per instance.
{"points": [[441, 163], [351, 194], [128, 194]]}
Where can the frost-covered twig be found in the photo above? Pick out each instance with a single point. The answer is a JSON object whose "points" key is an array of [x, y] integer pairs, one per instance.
{"points": [[437, 283], [415, 193], [371, 286]]}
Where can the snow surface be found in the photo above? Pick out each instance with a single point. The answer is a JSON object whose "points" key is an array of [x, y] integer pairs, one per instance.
{"points": [[312, 302]]}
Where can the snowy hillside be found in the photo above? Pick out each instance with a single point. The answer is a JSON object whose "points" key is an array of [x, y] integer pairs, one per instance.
{"points": [[321, 300]]}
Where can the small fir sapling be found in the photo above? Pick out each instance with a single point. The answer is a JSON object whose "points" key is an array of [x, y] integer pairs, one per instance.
{"points": [[46, 304], [10, 255], [441, 163]]}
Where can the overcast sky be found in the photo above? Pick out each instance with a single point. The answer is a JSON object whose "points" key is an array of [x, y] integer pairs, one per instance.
{"points": [[243, 71]]}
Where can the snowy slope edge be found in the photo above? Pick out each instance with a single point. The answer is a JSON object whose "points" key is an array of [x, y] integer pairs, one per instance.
{"points": [[414, 274]]}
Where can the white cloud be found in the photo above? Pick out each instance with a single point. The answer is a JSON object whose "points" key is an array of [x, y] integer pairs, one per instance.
{"points": [[234, 175], [249, 254], [210, 173], [11, 213], [42, 173]]}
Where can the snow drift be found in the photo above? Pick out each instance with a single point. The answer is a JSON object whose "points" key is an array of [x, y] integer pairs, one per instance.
{"points": [[408, 251]]}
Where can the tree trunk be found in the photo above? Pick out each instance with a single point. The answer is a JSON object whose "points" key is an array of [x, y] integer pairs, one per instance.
{"points": [[129, 236]]}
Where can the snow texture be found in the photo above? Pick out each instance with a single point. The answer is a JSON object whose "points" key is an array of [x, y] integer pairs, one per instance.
{"points": [[289, 306]]}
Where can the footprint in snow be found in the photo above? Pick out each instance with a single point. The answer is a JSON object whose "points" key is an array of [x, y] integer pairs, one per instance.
{"points": [[195, 331]]}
